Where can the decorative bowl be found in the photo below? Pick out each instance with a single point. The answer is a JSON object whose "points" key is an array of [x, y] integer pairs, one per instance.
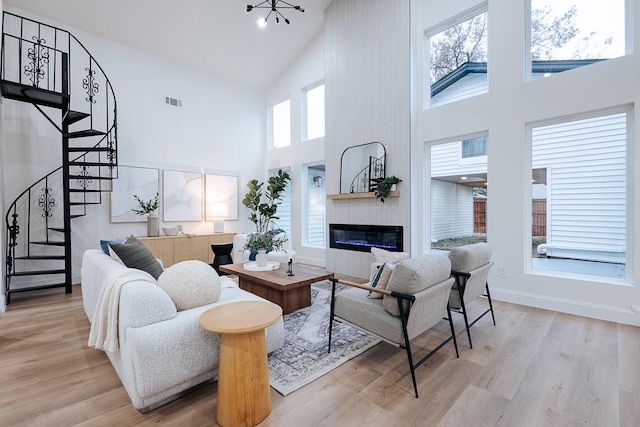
{"points": [[170, 231]]}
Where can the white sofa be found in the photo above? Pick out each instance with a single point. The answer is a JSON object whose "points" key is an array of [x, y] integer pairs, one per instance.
{"points": [[241, 255], [163, 352]]}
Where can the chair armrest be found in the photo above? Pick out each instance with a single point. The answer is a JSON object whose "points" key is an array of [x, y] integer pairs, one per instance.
{"points": [[372, 289]]}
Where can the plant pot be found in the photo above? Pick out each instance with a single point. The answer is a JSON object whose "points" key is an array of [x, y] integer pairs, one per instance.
{"points": [[261, 258], [153, 225]]}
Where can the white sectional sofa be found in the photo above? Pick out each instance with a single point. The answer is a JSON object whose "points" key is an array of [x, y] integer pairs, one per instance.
{"points": [[163, 352]]}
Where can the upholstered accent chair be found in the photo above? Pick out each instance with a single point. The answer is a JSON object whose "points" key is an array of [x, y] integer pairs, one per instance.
{"points": [[415, 299], [470, 266]]}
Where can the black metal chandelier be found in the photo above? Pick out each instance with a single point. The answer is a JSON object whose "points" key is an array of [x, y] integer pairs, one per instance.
{"points": [[274, 5]]}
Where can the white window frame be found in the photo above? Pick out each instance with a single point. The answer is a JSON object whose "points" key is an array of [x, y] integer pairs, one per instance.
{"points": [[629, 184], [628, 36], [272, 137], [436, 29], [305, 223], [305, 112]]}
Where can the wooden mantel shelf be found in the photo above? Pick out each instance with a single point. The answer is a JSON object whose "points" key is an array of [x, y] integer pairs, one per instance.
{"points": [[369, 195]]}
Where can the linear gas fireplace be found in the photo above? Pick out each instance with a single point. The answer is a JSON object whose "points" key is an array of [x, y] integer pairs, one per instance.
{"points": [[364, 237]]}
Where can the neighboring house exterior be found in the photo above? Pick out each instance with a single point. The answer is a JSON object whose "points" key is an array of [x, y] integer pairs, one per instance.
{"points": [[585, 195]]}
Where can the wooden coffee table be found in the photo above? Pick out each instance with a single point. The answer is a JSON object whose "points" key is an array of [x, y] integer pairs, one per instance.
{"points": [[289, 292]]}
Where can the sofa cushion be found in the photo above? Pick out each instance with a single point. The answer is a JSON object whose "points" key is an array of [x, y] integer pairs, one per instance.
{"points": [[134, 254], [469, 257], [190, 284], [416, 274], [382, 255]]}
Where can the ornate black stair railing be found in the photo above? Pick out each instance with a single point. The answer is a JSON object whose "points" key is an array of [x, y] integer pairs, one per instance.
{"points": [[367, 179], [48, 66]]}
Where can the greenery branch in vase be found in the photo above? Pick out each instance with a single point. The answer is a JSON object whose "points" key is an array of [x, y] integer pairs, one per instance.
{"points": [[263, 212], [262, 243], [384, 187], [149, 208]]}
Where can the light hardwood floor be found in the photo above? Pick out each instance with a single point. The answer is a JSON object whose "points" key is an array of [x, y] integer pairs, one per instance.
{"points": [[535, 368]]}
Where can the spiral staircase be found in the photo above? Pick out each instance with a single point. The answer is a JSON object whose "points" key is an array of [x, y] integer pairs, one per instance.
{"points": [[50, 69]]}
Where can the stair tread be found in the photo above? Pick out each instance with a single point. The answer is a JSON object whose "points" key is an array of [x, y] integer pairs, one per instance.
{"points": [[91, 164], [90, 177], [41, 257], [75, 116], [37, 272], [84, 203], [83, 133], [49, 243], [89, 149], [38, 288], [27, 93], [82, 190], [60, 229]]}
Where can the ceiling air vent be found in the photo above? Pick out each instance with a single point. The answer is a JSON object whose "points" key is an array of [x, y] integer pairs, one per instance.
{"points": [[172, 101]]}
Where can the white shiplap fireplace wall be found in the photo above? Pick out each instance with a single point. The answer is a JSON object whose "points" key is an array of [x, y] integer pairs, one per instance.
{"points": [[367, 76]]}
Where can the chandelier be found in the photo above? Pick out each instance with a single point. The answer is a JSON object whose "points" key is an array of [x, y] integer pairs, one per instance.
{"points": [[274, 5]]}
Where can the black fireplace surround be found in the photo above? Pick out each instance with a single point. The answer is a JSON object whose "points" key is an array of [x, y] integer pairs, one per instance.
{"points": [[364, 237]]}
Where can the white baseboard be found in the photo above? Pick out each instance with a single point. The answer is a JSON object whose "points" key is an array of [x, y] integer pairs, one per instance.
{"points": [[596, 311]]}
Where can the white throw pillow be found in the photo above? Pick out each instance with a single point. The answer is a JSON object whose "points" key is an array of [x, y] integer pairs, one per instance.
{"points": [[382, 255], [190, 284]]}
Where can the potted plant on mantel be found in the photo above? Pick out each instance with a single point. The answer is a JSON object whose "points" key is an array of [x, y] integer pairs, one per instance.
{"points": [[149, 208], [385, 186]]}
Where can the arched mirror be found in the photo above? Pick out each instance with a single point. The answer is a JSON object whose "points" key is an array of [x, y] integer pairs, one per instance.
{"points": [[362, 167]]}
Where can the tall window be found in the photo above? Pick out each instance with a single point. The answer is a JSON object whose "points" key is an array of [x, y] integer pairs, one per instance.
{"points": [[458, 193], [313, 112], [281, 124], [284, 209], [316, 224], [458, 59], [567, 34], [579, 186]]}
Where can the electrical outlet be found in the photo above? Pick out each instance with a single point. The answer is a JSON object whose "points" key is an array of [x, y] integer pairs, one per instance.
{"points": [[503, 272]]}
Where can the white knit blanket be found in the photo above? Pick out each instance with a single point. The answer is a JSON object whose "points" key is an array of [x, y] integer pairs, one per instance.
{"points": [[104, 326]]}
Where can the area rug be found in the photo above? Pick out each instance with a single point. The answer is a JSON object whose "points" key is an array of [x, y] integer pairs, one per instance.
{"points": [[303, 357]]}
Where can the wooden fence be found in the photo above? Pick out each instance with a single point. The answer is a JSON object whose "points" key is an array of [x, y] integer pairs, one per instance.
{"points": [[539, 220]]}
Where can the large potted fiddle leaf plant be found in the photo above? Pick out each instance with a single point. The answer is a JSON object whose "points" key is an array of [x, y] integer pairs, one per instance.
{"points": [[263, 204]]}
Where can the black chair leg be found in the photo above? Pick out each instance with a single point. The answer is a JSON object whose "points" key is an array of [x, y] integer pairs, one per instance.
{"points": [[333, 294], [466, 323], [490, 305], [453, 331]]}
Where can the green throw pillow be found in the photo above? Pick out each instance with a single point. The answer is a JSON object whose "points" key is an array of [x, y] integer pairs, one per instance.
{"points": [[136, 255]]}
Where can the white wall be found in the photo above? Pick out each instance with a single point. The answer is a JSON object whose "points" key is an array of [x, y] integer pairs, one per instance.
{"points": [[217, 117], [367, 72], [307, 69], [504, 112]]}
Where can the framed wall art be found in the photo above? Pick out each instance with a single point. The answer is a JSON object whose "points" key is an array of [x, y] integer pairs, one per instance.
{"points": [[182, 196], [221, 197], [132, 181]]}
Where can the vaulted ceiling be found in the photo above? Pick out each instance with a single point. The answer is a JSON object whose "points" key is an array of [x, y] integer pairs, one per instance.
{"points": [[214, 36]]}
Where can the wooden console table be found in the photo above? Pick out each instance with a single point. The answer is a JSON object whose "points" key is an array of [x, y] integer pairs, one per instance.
{"points": [[173, 249]]}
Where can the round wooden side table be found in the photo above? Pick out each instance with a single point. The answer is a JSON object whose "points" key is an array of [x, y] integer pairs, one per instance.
{"points": [[244, 393]]}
